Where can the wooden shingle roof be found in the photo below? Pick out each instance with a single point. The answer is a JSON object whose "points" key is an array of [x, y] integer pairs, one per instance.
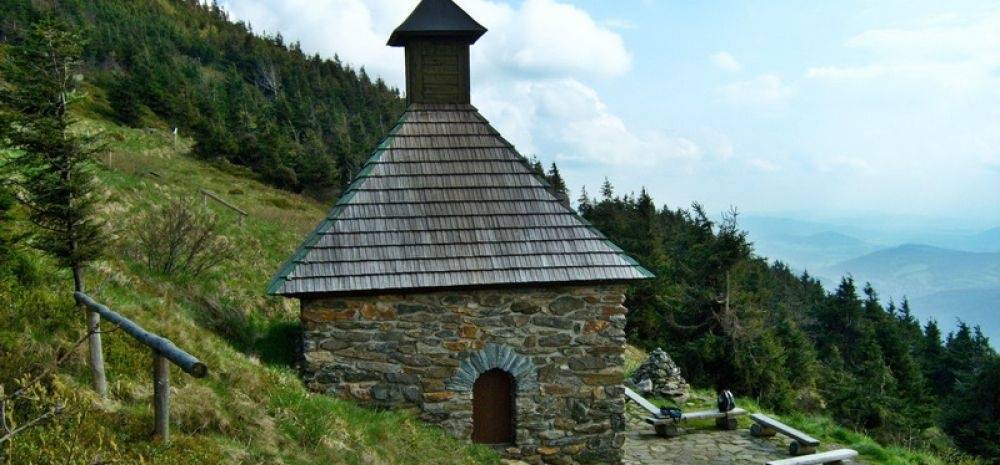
{"points": [[446, 202]]}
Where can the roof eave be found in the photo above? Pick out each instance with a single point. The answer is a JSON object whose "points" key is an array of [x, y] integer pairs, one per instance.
{"points": [[401, 38], [421, 290]]}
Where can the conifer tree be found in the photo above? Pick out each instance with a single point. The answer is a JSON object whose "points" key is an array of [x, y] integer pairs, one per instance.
{"points": [[52, 166], [934, 361], [607, 190], [973, 416], [7, 239], [583, 204], [52, 169], [558, 188]]}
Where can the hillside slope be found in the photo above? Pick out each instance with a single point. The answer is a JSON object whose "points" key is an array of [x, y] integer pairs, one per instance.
{"points": [[252, 407], [303, 122]]}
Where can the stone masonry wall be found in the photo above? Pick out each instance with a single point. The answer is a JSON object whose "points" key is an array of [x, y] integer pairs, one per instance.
{"points": [[424, 351]]}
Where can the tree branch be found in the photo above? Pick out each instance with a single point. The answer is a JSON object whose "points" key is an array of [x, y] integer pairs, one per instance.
{"points": [[43, 417]]}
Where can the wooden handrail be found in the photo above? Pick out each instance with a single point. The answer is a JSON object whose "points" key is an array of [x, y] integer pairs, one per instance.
{"points": [[163, 346], [222, 201], [163, 351]]}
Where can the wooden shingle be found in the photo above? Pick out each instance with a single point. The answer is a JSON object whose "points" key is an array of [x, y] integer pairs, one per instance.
{"points": [[446, 202]]}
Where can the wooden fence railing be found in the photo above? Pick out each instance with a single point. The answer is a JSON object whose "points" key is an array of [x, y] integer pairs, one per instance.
{"points": [[163, 351], [207, 194]]}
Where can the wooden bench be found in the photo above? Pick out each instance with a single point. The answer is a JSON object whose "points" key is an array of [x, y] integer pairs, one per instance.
{"points": [[667, 427], [663, 425], [833, 456], [802, 443]]}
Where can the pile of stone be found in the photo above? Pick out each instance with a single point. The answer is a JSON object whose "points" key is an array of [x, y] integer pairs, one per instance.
{"points": [[659, 376]]}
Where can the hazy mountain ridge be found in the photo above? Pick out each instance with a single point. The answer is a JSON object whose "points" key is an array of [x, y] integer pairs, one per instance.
{"points": [[947, 276], [944, 284]]}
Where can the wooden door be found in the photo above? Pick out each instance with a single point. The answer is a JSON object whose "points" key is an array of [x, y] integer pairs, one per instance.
{"points": [[493, 408]]}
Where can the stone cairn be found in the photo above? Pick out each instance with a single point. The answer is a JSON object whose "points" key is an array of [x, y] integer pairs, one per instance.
{"points": [[659, 376]]}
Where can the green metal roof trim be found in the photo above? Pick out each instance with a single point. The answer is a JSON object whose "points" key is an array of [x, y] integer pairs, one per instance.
{"points": [[445, 202]]}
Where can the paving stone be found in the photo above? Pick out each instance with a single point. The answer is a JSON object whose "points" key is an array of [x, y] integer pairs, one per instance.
{"points": [[697, 446]]}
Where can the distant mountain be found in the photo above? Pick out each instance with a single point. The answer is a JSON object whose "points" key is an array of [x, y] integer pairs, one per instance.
{"points": [[986, 241], [811, 252], [941, 283], [974, 306], [803, 245], [915, 269]]}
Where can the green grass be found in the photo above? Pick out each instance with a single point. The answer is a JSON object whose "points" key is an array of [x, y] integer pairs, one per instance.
{"points": [[831, 434], [252, 408]]}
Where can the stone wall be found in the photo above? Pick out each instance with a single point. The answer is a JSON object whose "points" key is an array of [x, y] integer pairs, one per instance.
{"points": [[424, 351]]}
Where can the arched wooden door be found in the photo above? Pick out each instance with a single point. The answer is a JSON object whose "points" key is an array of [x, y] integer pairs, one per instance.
{"points": [[493, 408]]}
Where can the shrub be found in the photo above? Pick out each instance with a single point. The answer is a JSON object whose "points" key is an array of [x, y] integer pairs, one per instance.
{"points": [[181, 239]]}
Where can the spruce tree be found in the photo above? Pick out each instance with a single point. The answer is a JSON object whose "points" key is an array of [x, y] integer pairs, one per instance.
{"points": [[583, 203], [607, 190], [52, 166], [7, 239], [934, 361], [973, 416], [558, 188]]}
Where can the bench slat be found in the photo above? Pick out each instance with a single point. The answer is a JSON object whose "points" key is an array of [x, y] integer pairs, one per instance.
{"points": [[708, 414], [817, 459], [782, 428], [652, 409]]}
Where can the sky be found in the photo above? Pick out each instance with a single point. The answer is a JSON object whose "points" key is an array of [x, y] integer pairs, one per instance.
{"points": [[853, 109]]}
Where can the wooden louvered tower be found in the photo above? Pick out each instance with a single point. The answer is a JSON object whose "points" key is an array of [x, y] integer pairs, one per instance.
{"points": [[447, 257]]}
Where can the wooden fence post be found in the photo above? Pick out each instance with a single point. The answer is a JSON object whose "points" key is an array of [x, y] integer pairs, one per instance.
{"points": [[96, 353], [161, 396]]}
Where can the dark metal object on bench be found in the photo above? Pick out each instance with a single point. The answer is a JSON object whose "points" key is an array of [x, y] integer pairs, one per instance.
{"points": [[663, 423], [765, 426]]}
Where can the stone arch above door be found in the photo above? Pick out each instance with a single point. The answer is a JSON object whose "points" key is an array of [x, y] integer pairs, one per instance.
{"points": [[495, 356]]}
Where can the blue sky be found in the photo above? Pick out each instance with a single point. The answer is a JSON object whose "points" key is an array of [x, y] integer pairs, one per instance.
{"points": [[807, 109]]}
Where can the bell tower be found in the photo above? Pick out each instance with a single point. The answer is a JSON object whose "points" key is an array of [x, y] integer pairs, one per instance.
{"points": [[437, 37]]}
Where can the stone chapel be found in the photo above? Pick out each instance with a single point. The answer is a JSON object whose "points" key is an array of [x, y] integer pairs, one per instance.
{"points": [[449, 280]]}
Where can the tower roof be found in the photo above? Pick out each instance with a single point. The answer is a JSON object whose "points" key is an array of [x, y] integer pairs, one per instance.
{"points": [[437, 18], [444, 202]]}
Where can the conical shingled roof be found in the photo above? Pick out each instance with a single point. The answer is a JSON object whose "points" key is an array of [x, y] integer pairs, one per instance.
{"points": [[437, 18], [446, 202]]}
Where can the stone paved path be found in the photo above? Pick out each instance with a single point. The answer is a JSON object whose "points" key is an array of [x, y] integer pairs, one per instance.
{"points": [[699, 446]]}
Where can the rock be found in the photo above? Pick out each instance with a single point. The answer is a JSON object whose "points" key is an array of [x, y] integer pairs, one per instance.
{"points": [[660, 376], [645, 386]]}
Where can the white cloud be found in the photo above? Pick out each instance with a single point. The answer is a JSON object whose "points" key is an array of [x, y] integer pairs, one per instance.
{"points": [[355, 30], [527, 70], [725, 61], [546, 38], [716, 143], [618, 23], [993, 164], [569, 119], [951, 51], [764, 165], [766, 89], [844, 163]]}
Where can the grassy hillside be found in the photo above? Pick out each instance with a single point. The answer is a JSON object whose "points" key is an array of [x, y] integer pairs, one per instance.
{"points": [[252, 407]]}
